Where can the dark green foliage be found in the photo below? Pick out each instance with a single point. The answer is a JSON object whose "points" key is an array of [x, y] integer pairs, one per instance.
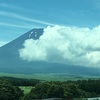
{"points": [[88, 88], [47, 90], [8, 91], [42, 90], [92, 86], [66, 90], [71, 91], [22, 81], [53, 90]]}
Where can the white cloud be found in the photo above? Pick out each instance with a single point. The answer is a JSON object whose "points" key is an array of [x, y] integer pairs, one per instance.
{"points": [[94, 57], [69, 45], [14, 15]]}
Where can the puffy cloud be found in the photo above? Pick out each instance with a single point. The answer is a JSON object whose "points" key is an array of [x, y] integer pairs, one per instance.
{"points": [[69, 45]]}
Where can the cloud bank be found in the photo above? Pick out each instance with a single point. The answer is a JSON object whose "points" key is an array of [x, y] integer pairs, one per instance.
{"points": [[68, 45]]}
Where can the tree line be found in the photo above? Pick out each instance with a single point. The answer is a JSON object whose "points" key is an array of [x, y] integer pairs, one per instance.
{"points": [[42, 90], [22, 81]]}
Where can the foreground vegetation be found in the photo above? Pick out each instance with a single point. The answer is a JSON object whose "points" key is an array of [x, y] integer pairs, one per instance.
{"points": [[9, 92], [30, 89]]}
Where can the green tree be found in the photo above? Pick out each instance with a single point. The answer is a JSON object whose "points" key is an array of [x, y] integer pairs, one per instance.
{"points": [[71, 91], [46, 90], [8, 91]]}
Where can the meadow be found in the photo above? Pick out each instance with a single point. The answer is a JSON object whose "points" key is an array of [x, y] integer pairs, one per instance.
{"points": [[50, 76], [26, 89]]}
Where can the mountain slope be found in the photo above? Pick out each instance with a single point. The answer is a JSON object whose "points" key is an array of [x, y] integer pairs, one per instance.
{"points": [[10, 61], [9, 56]]}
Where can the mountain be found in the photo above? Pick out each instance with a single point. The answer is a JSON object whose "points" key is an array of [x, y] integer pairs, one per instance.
{"points": [[10, 61]]}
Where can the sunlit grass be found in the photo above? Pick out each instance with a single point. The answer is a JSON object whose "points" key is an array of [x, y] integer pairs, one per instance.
{"points": [[26, 89], [50, 76]]}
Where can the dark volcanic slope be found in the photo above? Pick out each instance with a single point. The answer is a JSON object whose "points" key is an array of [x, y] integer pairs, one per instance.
{"points": [[11, 62]]}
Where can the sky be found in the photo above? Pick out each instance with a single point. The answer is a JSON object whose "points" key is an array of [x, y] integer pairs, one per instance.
{"points": [[71, 29], [19, 16]]}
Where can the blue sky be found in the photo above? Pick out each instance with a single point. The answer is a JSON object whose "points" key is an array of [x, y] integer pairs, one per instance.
{"points": [[20, 16]]}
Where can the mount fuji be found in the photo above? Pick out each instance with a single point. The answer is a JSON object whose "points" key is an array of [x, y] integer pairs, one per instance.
{"points": [[10, 61]]}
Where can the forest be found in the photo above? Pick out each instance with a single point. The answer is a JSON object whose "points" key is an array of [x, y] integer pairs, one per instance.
{"points": [[67, 90]]}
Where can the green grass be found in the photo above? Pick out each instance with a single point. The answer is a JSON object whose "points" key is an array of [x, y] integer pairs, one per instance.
{"points": [[26, 89], [50, 76]]}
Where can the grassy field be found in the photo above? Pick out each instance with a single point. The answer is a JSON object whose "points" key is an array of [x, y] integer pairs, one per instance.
{"points": [[26, 89], [50, 76]]}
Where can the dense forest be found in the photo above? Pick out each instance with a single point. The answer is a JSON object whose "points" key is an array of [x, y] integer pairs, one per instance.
{"points": [[22, 81], [10, 90]]}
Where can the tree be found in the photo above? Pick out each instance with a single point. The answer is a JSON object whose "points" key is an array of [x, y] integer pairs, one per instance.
{"points": [[71, 91], [8, 91], [53, 90], [46, 90]]}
